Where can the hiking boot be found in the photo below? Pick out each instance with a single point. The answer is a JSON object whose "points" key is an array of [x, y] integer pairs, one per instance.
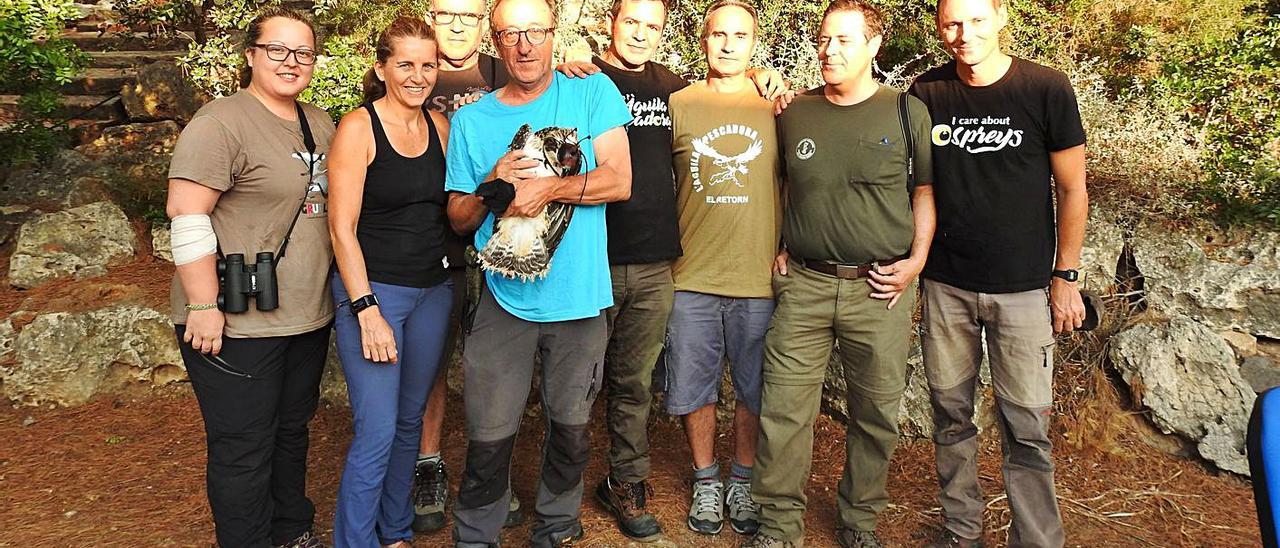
{"points": [[744, 513], [852, 538], [761, 540], [626, 501], [706, 509], [430, 494], [305, 540], [948, 539], [569, 539], [515, 515]]}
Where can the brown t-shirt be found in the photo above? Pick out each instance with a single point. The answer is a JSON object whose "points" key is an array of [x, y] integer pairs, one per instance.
{"points": [[727, 173], [259, 163]]}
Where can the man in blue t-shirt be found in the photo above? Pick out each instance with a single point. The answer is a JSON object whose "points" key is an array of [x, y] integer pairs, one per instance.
{"points": [[557, 317]]}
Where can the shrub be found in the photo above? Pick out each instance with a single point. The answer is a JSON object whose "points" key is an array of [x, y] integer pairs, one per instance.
{"points": [[34, 63]]}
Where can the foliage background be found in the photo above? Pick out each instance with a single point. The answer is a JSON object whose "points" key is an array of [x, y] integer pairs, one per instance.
{"points": [[1180, 97]]}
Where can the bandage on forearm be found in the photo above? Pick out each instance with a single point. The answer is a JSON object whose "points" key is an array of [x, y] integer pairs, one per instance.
{"points": [[191, 237]]}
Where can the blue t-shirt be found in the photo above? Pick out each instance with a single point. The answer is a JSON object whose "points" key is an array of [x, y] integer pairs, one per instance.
{"points": [[578, 284]]}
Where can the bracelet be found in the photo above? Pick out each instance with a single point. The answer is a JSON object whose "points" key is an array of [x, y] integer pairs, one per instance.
{"points": [[195, 307]]}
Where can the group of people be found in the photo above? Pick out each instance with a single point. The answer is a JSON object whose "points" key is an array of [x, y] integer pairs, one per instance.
{"points": [[744, 223]]}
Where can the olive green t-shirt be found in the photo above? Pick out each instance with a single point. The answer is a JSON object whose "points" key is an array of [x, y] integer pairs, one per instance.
{"points": [[258, 161], [727, 171], [848, 196]]}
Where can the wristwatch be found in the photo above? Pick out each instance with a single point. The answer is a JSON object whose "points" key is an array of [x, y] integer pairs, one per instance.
{"points": [[358, 305], [1068, 275]]}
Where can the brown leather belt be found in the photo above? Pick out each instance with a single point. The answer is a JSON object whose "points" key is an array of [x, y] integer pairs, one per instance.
{"points": [[847, 271]]}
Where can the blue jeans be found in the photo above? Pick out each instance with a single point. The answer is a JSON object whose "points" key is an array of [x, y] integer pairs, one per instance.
{"points": [[375, 505]]}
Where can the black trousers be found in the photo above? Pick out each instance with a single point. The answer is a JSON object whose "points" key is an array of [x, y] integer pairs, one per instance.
{"points": [[257, 434]]}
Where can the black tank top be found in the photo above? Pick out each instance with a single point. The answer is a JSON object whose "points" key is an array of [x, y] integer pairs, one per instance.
{"points": [[402, 221]]}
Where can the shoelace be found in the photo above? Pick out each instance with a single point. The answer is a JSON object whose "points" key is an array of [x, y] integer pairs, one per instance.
{"points": [[641, 491], [739, 496], [434, 482], [706, 497]]}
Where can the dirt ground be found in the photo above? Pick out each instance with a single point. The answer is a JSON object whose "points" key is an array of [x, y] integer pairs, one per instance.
{"points": [[128, 472]]}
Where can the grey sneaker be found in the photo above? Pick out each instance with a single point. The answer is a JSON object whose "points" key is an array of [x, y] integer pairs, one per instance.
{"points": [[430, 494], [761, 540], [744, 513], [948, 539], [706, 509], [852, 538], [305, 540]]}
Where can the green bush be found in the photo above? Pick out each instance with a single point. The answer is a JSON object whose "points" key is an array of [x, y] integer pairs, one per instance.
{"points": [[34, 63]]}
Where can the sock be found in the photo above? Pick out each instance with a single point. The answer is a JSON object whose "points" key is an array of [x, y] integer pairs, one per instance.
{"points": [[739, 473], [428, 459], [710, 473]]}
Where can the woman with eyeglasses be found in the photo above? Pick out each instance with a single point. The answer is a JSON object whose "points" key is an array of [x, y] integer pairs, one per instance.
{"points": [[392, 284], [246, 185]]}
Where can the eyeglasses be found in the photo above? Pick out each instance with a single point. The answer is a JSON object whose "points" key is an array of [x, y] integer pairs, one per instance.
{"points": [[510, 37], [443, 18], [277, 52]]}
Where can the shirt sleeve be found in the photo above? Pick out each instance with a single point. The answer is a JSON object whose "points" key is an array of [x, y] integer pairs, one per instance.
{"points": [[460, 175], [206, 153], [922, 145], [608, 109], [1065, 129]]}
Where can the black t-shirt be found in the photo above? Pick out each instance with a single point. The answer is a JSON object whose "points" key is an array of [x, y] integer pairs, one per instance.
{"points": [[992, 174], [451, 87], [644, 229]]}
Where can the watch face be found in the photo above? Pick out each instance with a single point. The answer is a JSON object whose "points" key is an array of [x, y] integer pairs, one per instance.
{"points": [[1068, 275]]}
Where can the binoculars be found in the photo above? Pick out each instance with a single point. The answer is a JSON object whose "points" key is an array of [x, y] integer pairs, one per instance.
{"points": [[238, 282]]}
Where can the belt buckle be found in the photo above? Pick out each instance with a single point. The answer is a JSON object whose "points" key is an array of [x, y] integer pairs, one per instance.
{"points": [[846, 271]]}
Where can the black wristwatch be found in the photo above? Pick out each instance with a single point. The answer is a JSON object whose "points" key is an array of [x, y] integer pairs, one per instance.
{"points": [[1068, 275], [358, 305]]}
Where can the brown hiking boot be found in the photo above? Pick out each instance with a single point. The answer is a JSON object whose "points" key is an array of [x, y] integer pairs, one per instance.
{"points": [[853, 538], [626, 501], [948, 539], [761, 540]]}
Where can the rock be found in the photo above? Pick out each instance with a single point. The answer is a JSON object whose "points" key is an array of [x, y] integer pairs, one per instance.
{"points": [[138, 151], [162, 92], [1187, 376], [7, 336], [85, 191], [1244, 344], [1226, 284], [160, 246], [48, 184], [67, 358], [333, 386], [1262, 372], [81, 241], [915, 417], [1103, 244]]}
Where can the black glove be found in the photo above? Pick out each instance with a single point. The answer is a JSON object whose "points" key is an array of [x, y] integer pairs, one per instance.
{"points": [[496, 195]]}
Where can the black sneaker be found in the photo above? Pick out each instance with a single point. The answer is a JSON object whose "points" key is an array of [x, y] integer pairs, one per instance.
{"points": [[626, 501], [430, 494], [305, 540]]}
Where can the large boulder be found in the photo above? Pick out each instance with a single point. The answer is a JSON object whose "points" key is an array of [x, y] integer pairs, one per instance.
{"points": [[915, 416], [161, 246], [1223, 281], [138, 151], [162, 92], [1103, 244], [49, 185], [82, 241], [67, 358], [1187, 376]]}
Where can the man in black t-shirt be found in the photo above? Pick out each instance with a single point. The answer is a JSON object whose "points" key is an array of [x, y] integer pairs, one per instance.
{"points": [[1007, 137], [465, 75]]}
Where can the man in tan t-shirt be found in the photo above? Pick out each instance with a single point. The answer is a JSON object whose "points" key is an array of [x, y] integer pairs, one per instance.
{"points": [[727, 174]]}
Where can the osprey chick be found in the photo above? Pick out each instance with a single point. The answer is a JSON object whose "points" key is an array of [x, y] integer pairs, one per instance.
{"points": [[522, 247]]}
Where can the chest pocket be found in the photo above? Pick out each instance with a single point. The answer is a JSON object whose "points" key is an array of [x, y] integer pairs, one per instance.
{"points": [[878, 162]]}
